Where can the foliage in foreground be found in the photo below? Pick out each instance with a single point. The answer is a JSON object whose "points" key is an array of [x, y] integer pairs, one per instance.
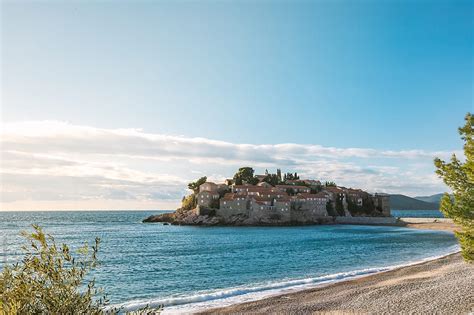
{"points": [[52, 280], [49, 279], [460, 178]]}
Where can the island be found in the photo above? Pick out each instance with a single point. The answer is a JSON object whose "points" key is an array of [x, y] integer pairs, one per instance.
{"points": [[273, 199]]}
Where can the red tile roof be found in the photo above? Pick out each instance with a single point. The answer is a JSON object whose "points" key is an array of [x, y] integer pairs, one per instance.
{"points": [[292, 186], [318, 195]]}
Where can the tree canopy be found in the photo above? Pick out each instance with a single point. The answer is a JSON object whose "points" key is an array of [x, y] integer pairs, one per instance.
{"points": [[459, 177], [245, 174], [290, 176], [194, 186]]}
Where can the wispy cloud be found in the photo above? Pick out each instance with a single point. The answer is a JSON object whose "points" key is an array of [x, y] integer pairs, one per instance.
{"points": [[51, 160]]}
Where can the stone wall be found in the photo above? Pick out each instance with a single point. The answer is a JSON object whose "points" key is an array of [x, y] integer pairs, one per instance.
{"points": [[232, 207], [202, 210], [269, 213], [283, 208], [366, 220]]}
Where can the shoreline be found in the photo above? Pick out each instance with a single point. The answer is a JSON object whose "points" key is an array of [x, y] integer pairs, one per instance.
{"points": [[224, 300], [442, 285], [227, 302], [437, 224], [424, 224]]}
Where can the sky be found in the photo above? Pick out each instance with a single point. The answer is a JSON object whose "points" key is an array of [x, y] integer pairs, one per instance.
{"points": [[119, 104]]}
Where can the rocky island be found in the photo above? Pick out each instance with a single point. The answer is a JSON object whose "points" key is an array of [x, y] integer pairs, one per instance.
{"points": [[273, 199]]}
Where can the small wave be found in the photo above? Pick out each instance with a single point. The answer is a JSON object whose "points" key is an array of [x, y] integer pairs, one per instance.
{"points": [[219, 298]]}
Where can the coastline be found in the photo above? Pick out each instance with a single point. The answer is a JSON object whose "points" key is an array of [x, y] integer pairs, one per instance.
{"points": [[441, 285], [236, 297], [429, 224]]}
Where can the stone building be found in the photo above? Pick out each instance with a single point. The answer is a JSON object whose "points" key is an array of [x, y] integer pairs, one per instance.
{"points": [[382, 202], [308, 207], [263, 202], [283, 208], [233, 204], [296, 188], [206, 198], [264, 208], [356, 196], [261, 177], [264, 184], [208, 186], [312, 183]]}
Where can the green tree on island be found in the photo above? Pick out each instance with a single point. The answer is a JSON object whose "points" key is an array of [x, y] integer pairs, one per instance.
{"points": [[194, 186], [189, 202], [278, 174], [460, 178], [245, 174], [290, 176], [272, 179]]}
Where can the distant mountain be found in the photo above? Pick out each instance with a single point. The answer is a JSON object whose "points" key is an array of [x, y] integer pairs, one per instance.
{"points": [[433, 198], [402, 202]]}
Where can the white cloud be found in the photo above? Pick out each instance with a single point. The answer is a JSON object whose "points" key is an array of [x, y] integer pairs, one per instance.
{"points": [[51, 160]]}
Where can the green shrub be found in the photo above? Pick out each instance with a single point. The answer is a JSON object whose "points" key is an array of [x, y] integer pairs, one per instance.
{"points": [[189, 202], [459, 177], [50, 279]]}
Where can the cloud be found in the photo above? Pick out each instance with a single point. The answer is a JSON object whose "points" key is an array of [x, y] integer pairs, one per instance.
{"points": [[52, 160], [54, 137]]}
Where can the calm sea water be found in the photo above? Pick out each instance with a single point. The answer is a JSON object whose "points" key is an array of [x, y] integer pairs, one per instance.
{"points": [[184, 265], [417, 213]]}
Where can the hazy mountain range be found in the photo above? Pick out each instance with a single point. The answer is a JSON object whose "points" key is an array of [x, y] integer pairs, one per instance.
{"points": [[402, 202]]}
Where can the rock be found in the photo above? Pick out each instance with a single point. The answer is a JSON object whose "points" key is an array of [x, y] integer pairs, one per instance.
{"points": [[189, 217], [165, 217]]}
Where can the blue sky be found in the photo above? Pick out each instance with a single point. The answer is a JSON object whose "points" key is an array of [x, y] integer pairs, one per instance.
{"points": [[373, 75]]}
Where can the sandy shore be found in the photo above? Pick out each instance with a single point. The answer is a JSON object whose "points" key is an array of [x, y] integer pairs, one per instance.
{"points": [[430, 224], [440, 286]]}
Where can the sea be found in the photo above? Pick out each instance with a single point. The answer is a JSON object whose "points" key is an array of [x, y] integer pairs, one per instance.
{"points": [[189, 268]]}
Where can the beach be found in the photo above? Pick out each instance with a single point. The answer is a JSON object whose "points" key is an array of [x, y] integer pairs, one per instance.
{"points": [[442, 286], [429, 224]]}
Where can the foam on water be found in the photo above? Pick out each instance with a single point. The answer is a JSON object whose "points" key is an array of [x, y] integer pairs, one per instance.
{"points": [[187, 268], [221, 298]]}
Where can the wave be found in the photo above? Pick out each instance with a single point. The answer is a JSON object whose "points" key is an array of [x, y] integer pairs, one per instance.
{"points": [[225, 297]]}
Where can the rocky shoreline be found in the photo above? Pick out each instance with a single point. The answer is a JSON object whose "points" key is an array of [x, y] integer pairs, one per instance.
{"points": [[190, 217]]}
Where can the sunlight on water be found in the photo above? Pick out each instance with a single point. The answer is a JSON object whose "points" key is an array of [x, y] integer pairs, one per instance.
{"points": [[184, 264]]}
